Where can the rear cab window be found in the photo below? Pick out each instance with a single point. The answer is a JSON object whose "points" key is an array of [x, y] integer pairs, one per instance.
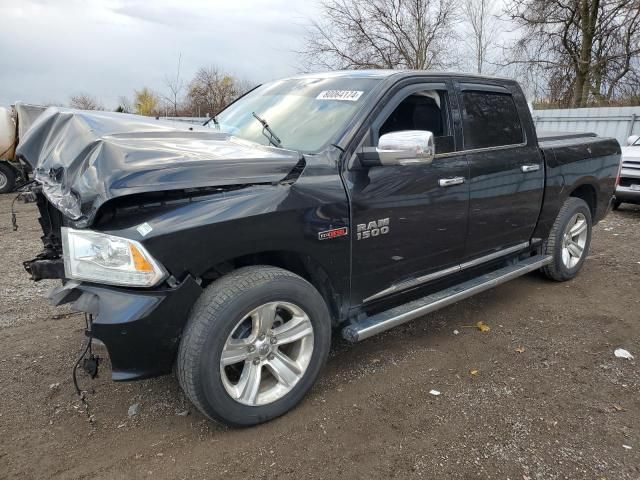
{"points": [[490, 119]]}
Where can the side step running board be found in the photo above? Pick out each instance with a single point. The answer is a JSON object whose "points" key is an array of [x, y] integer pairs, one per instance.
{"points": [[398, 315]]}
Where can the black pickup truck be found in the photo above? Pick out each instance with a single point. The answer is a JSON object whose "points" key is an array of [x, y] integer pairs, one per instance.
{"points": [[350, 201]]}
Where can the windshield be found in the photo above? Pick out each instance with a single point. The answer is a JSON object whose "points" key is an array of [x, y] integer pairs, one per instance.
{"points": [[306, 114]]}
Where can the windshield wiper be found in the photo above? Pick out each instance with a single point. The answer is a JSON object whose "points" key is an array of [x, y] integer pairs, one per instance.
{"points": [[271, 136], [213, 119]]}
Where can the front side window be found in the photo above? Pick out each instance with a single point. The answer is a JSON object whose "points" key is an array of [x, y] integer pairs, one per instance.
{"points": [[490, 119], [306, 114], [423, 110]]}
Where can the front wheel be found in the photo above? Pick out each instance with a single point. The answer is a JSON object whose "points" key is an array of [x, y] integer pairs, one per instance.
{"points": [[569, 240], [254, 344], [7, 177]]}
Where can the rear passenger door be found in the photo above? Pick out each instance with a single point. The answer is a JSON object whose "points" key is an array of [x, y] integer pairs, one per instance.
{"points": [[506, 169]]}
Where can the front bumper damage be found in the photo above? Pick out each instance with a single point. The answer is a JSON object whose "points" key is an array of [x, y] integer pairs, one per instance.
{"points": [[42, 267], [141, 329]]}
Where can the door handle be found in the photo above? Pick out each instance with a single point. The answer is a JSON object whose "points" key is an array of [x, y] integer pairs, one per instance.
{"points": [[530, 168], [448, 182]]}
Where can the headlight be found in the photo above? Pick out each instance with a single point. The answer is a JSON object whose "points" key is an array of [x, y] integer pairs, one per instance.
{"points": [[102, 258]]}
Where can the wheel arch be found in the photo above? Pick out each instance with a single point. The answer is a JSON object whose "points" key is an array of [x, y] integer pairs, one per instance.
{"points": [[296, 262], [589, 194]]}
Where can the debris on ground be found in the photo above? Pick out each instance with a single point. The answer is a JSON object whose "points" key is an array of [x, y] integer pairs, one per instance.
{"points": [[520, 349], [622, 353], [134, 410], [473, 371], [483, 327], [434, 392], [456, 332]]}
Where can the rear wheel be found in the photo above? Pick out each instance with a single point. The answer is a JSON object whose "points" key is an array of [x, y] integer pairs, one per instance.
{"points": [[7, 177], [569, 240], [254, 345]]}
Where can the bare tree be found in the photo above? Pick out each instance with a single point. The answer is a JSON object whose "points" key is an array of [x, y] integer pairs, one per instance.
{"points": [[211, 90], [616, 50], [415, 34], [175, 87], [83, 101], [586, 50], [124, 105], [244, 85], [480, 16]]}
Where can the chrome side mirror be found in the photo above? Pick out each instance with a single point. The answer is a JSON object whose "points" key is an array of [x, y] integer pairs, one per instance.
{"points": [[407, 147], [632, 139]]}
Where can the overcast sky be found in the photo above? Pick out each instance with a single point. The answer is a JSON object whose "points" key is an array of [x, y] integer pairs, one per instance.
{"points": [[52, 49]]}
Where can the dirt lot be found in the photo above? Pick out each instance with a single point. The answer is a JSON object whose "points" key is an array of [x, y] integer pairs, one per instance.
{"points": [[549, 399]]}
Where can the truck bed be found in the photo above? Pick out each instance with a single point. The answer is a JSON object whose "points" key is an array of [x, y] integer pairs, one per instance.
{"points": [[565, 148], [546, 136], [584, 160]]}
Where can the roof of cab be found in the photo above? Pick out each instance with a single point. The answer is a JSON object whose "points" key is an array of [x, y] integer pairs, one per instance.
{"points": [[350, 74], [381, 73]]}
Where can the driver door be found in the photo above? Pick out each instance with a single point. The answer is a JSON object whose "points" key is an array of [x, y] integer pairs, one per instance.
{"points": [[409, 222]]}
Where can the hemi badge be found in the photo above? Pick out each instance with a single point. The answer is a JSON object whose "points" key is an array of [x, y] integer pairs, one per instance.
{"points": [[333, 233]]}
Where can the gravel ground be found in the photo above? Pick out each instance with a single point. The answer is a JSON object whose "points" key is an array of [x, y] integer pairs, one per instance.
{"points": [[539, 396]]}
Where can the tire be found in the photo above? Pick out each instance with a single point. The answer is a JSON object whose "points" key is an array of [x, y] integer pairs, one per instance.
{"points": [[557, 245], [7, 177], [224, 317], [616, 204]]}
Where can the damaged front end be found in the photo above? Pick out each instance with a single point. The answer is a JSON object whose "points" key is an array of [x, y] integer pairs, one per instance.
{"points": [[141, 329], [48, 264], [98, 179], [83, 160]]}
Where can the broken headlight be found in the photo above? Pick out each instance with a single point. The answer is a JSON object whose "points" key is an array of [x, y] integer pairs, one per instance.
{"points": [[102, 258]]}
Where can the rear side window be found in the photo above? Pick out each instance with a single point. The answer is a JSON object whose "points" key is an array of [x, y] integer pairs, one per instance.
{"points": [[490, 119]]}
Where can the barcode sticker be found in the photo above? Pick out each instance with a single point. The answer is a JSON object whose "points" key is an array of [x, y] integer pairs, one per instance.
{"points": [[144, 229], [348, 95]]}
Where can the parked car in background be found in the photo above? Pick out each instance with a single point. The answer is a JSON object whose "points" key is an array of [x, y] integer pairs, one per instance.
{"points": [[353, 200], [628, 189]]}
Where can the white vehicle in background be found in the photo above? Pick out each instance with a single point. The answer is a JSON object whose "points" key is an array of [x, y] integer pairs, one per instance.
{"points": [[14, 121], [9, 170], [628, 189]]}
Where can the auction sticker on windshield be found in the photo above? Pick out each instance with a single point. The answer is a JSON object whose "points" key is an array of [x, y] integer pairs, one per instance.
{"points": [[349, 95]]}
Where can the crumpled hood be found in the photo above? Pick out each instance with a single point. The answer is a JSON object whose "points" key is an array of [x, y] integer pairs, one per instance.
{"points": [[83, 159]]}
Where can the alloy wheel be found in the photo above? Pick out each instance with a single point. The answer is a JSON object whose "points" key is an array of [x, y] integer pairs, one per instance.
{"points": [[267, 353], [574, 240]]}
